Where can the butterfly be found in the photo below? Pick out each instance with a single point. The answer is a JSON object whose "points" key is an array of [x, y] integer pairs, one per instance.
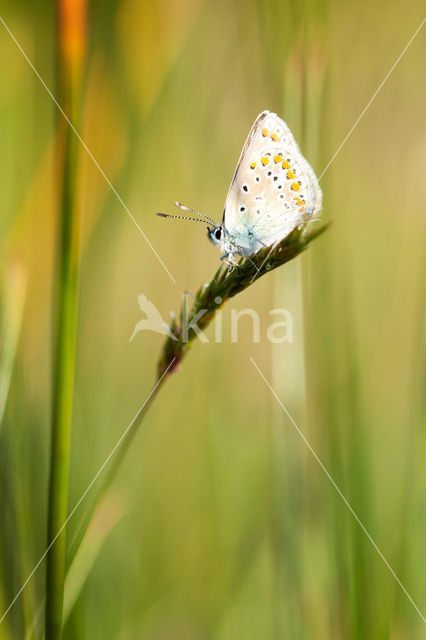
{"points": [[273, 190]]}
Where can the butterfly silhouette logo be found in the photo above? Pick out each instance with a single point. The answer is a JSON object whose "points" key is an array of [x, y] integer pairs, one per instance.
{"points": [[153, 320]]}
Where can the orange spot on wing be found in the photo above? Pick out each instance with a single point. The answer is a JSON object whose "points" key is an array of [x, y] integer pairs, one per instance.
{"points": [[264, 160], [278, 159], [274, 137], [265, 132], [253, 165], [295, 186], [291, 175], [286, 165]]}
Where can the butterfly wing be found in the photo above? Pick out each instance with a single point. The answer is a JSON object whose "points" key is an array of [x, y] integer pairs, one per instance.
{"points": [[273, 189]]}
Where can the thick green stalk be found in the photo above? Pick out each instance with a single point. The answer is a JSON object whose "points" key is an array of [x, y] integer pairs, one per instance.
{"points": [[62, 393], [70, 45]]}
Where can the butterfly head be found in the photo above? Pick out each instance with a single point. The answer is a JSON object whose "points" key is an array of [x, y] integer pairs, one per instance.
{"points": [[216, 235]]}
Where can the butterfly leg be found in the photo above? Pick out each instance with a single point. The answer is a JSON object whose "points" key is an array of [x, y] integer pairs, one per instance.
{"points": [[228, 258]]}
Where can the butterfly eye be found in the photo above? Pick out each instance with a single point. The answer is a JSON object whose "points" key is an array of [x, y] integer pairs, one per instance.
{"points": [[218, 234]]}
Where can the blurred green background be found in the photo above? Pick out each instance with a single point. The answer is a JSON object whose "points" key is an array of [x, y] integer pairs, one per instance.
{"points": [[220, 523]]}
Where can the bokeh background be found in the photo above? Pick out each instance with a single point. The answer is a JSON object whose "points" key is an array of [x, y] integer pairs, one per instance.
{"points": [[220, 523]]}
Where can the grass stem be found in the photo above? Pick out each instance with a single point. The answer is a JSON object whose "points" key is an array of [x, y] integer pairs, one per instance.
{"points": [[69, 43]]}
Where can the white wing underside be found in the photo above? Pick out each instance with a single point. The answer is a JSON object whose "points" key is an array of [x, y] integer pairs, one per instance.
{"points": [[273, 190]]}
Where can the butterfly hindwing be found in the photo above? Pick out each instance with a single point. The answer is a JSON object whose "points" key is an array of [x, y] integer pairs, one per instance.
{"points": [[273, 188]]}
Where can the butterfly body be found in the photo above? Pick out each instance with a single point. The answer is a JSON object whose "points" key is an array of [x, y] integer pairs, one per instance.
{"points": [[273, 190], [245, 243]]}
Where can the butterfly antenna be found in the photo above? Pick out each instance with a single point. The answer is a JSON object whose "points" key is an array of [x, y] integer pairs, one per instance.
{"points": [[202, 215], [168, 215]]}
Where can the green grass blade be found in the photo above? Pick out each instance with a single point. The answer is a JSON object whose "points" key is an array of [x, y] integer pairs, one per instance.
{"points": [[70, 45]]}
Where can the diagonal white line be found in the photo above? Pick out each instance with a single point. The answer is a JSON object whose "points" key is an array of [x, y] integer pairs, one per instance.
{"points": [[362, 113], [339, 491], [261, 266], [374, 95], [80, 139], [84, 494]]}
